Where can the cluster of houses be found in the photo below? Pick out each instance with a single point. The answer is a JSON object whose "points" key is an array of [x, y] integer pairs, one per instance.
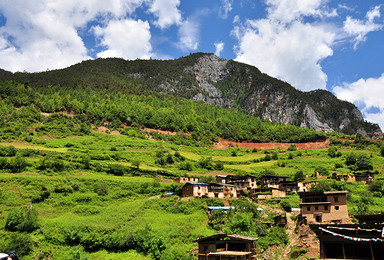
{"points": [[233, 186], [325, 212]]}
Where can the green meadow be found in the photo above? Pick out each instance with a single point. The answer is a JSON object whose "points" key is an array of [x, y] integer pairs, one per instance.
{"points": [[99, 196]]}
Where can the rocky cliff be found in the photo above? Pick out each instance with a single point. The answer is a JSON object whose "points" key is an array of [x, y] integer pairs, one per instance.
{"points": [[207, 78]]}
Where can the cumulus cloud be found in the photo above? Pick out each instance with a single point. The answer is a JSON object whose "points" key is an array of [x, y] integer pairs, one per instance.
{"points": [[125, 38], [219, 46], [287, 46], [48, 31], [360, 92], [277, 47], [167, 12], [360, 28], [226, 7]]}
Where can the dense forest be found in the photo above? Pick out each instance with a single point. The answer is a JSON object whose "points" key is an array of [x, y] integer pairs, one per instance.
{"points": [[22, 108]]}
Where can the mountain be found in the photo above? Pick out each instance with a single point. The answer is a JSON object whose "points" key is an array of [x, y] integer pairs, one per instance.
{"points": [[208, 78]]}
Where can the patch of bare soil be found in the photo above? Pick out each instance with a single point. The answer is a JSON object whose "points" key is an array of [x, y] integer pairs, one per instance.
{"points": [[225, 144], [104, 130]]}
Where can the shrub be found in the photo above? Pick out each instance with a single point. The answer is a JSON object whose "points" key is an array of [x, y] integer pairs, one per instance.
{"points": [[292, 147], [295, 253], [101, 189], [286, 206], [299, 175], [19, 242], [23, 220]]}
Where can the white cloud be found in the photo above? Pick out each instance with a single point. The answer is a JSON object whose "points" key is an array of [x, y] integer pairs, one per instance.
{"points": [[225, 8], [368, 94], [287, 46], [219, 46], [189, 35], [43, 34], [167, 12], [283, 46], [126, 38], [360, 28]]}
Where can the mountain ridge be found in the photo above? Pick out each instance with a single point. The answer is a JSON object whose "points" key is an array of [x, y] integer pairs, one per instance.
{"points": [[210, 79]]}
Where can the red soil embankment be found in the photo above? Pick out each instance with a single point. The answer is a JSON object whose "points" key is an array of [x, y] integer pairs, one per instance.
{"points": [[225, 144]]}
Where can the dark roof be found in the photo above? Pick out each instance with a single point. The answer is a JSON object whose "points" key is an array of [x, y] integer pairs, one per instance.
{"points": [[232, 236], [313, 193], [379, 218]]}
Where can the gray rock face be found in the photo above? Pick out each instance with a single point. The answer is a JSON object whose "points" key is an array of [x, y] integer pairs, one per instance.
{"points": [[311, 121], [320, 111], [209, 70]]}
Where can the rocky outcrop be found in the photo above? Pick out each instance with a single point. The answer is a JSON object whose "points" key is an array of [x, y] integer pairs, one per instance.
{"points": [[228, 83]]}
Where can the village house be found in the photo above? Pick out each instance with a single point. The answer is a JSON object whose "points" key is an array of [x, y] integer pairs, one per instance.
{"points": [[267, 193], [305, 185], [240, 182], [324, 207], [226, 247], [209, 190], [270, 181], [187, 179]]}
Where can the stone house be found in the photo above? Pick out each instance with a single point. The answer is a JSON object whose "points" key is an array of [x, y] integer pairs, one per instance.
{"points": [[187, 179], [226, 247], [276, 182], [268, 193], [324, 207], [305, 185], [244, 183], [209, 190]]}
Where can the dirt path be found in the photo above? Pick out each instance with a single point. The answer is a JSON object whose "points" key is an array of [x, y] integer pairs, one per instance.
{"points": [[293, 237]]}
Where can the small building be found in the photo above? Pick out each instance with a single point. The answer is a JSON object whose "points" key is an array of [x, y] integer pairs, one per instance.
{"points": [[245, 182], [209, 190], [271, 181], [350, 241], [187, 179], [306, 185], [280, 220], [267, 193], [324, 207], [226, 247]]}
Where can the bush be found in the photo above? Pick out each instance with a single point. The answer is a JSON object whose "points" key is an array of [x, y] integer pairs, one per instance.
{"points": [[292, 147], [295, 253], [101, 189], [23, 220], [19, 242], [286, 206]]}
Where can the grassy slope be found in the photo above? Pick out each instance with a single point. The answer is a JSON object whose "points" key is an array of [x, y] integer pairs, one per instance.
{"points": [[126, 207]]}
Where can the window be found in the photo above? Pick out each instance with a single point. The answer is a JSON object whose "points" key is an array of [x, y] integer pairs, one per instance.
{"points": [[325, 207], [318, 218], [336, 207], [316, 208], [336, 199], [309, 208]]}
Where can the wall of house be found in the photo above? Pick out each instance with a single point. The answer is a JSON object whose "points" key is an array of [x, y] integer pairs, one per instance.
{"points": [[187, 179], [337, 210]]}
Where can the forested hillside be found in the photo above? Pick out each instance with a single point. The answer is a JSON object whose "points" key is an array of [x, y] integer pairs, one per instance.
{"points": [[207, 78], [22, 107]]}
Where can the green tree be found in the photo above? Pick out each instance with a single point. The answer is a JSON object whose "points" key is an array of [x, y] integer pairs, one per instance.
{"points": [[299, 176]]}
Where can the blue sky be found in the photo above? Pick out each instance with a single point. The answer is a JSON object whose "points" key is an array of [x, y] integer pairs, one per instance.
{"points": [[311, 44]]}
